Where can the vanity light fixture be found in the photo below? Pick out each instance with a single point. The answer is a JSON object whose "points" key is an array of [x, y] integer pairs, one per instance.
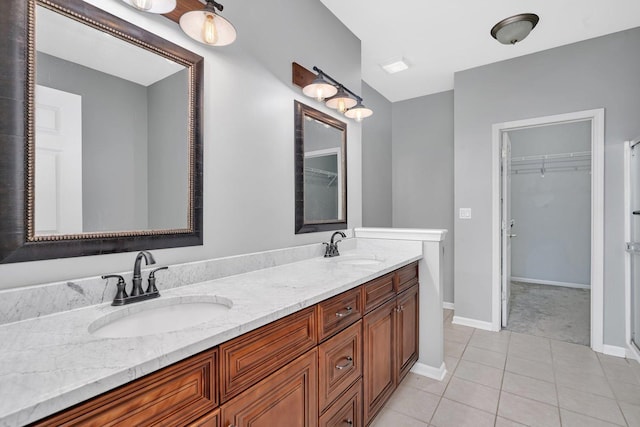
{"points": [[152, 6], [341, 101], [359, 112], [320, 88], [207, 27], [336, 95], [514, 28]]}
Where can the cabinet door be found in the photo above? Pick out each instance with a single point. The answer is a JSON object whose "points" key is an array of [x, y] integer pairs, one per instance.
{"points": [[286, 398], [175, 395], [379, 358], [407, 331], [209, 420]]}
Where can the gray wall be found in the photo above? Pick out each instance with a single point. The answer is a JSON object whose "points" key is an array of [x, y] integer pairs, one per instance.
{"points": [[376, 161], [114, 143], [248, 133], [423, 170], [552, 213], [602, 72], [168, 154]]}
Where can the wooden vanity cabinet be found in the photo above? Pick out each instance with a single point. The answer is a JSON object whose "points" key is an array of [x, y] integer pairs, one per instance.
{"points": [[333, 364]]}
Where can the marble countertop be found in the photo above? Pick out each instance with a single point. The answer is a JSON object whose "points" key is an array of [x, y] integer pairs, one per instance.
{"points": [[53, 362]]}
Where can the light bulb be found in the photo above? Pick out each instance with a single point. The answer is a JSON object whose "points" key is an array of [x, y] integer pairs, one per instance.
{"points": [[319, 94], [209, 30], [341, 107], [142, 4], [358, 116]]}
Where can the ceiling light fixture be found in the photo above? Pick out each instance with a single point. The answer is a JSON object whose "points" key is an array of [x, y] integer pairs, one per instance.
{"points": [[207, 27], [395, 65], [336, 94], [514, 28], [152, 6]]}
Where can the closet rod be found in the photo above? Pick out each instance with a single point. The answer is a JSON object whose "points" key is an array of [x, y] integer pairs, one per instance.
{"points": [[580, 154]]}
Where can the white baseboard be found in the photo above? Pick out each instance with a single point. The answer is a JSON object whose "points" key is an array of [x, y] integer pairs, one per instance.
{"points": [[550, 283], [448, 305], [633, 353], [429, 371], [478, 324], [614, 350]]}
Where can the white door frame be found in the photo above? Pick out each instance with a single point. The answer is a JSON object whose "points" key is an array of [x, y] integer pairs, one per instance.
{"points": [[631, 351], [596, 117]]}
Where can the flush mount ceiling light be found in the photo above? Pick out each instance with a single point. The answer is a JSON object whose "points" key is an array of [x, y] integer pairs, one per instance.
{"points": [[336, 94], [319, 88], [395, 65], [207, 27], [514, 28], [152, 6]]}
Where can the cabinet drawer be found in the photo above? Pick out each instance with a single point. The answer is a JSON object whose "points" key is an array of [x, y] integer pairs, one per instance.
{"points": [[251, 357], [286, 398], [406, 277], [346, 411], [339, 312], [378, 291], [340, 364], [175, 395]]}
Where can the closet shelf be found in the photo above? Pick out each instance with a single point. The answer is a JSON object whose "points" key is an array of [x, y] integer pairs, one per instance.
{"points": [[561, 157]]}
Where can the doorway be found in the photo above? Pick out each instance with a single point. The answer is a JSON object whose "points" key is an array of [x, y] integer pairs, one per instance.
{"points": [[589, 276], [546, 204]]}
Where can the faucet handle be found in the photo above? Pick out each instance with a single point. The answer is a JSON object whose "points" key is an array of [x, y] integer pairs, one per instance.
{"points": [[121, 293], [151, 288]]}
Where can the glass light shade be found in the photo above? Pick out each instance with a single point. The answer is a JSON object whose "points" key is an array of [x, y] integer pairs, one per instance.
{"points": [[319, 89], [208, 28], [358, 112], [515, 28], [341, 101], [152, 6]]}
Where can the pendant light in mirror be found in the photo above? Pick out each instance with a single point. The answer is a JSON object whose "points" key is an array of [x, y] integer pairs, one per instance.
{"points": [[207, 27], [152, 6], [514, 28]]}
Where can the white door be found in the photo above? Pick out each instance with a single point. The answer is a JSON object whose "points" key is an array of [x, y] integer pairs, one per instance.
{"points": [[58, 168], [507, 226]]}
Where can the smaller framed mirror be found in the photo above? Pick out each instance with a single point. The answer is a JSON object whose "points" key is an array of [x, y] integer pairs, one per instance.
{"points": [[320, 171]]}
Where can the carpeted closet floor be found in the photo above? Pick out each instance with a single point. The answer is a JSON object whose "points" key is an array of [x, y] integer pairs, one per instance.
{"points": [[550, 311]]}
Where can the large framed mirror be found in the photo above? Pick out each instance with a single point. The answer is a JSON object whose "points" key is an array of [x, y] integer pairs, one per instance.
{"points": [[100, 127], [320, 171]]}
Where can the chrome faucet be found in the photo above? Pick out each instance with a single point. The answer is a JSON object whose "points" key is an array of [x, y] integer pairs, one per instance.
{"points": [[332, 247], [137, 294]]}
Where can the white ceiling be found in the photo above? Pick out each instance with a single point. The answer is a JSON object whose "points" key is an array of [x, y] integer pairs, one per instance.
{"points": [[440, 37]]}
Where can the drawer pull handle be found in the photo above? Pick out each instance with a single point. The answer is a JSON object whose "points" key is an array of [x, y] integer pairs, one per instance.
{"points": [[346, 365], [349, 422], [347, 311]]}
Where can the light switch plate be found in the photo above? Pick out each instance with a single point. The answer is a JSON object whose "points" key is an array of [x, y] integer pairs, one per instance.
{"points": [[465, 213]]}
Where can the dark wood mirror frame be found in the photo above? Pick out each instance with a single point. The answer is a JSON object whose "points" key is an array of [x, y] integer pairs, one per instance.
{"points": [[301, 226], [17, 52]]}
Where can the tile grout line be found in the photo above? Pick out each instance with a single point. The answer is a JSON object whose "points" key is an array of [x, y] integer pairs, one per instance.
{"points": [[613, 391]]}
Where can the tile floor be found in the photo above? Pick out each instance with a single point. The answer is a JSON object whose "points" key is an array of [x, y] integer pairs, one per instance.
{"points": [[507, 379]]}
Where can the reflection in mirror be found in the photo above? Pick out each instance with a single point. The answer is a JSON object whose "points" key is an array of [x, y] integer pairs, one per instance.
{"points": [[111, 133], [320, 171]]}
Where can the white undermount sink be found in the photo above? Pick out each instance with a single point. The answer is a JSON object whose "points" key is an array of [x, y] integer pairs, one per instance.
{"points": [[165, 314], [358, 260]]}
